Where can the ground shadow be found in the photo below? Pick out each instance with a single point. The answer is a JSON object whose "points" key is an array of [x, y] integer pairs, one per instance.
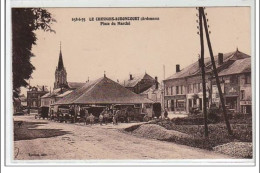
{"points": [[26, 131]]}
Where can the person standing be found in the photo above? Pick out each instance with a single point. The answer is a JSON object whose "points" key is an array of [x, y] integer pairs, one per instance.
{"points": [[86, 116], [165, 113], [91, 119], [106, 115], [114, 117], [101, 119], [117, 116]]}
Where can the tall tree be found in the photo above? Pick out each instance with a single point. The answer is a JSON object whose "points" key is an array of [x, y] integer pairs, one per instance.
{"points": [[24, 22]]}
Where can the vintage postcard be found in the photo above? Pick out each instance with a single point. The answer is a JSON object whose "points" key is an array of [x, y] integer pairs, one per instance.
{"points": [[133, 85]]}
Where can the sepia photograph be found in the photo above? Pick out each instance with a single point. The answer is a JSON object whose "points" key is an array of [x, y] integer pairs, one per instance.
{"points": [[93, 84]]}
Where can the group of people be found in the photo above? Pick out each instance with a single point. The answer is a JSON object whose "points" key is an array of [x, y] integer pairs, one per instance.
{"points": [[104, 117]]}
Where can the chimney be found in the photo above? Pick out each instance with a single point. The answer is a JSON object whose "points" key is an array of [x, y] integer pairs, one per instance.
{"points": [[131, 77], [156, 82], [177, 68], [43, 88], [220, 58]]}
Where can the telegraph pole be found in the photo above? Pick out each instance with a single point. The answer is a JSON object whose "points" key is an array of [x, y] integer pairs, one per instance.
{"points": [[201, 10], [202, 65]]}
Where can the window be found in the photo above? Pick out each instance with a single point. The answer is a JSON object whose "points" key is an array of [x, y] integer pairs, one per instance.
{"points": [[194, 88], [248, 79], [181, 88], [34, 103], [171, 90], [199, 88], [191, 88], [242, 94], [166, 90], [177, 89], [234, 79]]}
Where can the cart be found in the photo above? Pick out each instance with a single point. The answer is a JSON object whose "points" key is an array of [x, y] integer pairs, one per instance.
{"points": [[42, 113]]}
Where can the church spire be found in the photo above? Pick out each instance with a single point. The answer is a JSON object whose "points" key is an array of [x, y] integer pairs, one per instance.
{"points": [[60, 64]]}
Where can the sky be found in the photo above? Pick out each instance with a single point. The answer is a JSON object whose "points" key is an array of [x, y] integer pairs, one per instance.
{"points": [[89, 49]]}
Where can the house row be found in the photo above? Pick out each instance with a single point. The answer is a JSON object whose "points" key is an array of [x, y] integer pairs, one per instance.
{"points": [[183, 90]]}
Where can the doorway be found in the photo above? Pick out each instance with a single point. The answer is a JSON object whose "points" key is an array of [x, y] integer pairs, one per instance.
{"points": [[231, 102], [172, 105], [200, 106]]}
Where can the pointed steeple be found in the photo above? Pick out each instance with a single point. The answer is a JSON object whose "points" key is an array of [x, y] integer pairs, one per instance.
{"points": [[60, 64], [60, 74]]}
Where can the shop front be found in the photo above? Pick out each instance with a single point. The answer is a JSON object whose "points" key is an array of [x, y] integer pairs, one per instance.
{"points": [[195, 101], [246, 107], [176, 104], [232, 97]]}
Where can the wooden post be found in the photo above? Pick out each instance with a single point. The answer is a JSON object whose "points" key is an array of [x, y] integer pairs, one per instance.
{"points": [[215, 72], [203, 74]]}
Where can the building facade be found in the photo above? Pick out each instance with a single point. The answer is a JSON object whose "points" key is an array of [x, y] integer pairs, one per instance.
{"points": [[183, 90], [236, 81], [50, 98], [154, 93], [140, 83], [34, 97]]}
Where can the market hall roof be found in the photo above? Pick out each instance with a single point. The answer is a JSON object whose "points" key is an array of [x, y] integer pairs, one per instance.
{"points": [[102, 91], [75, 85], [194, 68], [65, 93]]}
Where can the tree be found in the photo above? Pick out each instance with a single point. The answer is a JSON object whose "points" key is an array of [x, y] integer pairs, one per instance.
{"points": [[24, 22]]}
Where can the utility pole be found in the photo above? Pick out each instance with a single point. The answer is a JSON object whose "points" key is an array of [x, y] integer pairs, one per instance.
{"points": [[202, 65], [163, 88], [201, 9]]}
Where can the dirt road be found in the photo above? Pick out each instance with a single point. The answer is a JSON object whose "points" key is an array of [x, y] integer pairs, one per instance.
{"points": [[82, 142]]}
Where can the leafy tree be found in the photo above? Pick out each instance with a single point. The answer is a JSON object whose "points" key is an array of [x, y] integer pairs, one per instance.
{"points": [[24, 22]]}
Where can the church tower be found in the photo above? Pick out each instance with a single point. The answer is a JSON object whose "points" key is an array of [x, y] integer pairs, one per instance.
{"points": [[60, 74]]}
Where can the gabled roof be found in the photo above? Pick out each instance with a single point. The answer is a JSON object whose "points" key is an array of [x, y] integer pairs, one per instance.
{"points": [[54, 93], [65, 93], [194, 68], [136, 78], [60, 63], [46, 95], [153, 89], [239, 66], [75, 85], [102, 91]]}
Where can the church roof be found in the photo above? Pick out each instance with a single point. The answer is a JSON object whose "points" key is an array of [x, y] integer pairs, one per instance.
{"points": [[60, 63]]}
